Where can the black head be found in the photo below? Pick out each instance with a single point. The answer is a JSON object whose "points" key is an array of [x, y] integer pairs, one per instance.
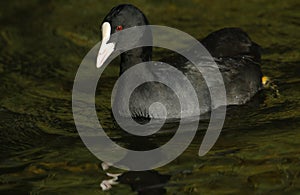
{"points": [[119, 18], [125, 16]]}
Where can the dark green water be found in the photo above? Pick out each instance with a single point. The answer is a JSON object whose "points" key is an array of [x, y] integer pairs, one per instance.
{"points": [[42, 44]]}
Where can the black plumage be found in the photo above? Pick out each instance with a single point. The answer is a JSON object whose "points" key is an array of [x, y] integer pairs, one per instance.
{"points": [[237, 56]]}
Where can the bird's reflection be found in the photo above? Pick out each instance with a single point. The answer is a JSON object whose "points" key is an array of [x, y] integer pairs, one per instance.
{"points": [[145, 182], [142, 182]]}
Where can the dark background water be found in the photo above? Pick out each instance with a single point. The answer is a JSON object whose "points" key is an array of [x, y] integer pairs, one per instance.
{"points": [[42, 44]]}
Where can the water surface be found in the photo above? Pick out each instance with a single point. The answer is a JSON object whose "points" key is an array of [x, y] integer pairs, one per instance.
{"points": [[42, 44]]}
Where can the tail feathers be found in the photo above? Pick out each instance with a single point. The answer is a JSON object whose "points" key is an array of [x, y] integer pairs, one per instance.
{"points": [[230, 42]]}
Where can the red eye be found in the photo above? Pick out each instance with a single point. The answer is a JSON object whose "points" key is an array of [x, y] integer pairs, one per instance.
{"points": [[119, 28]]}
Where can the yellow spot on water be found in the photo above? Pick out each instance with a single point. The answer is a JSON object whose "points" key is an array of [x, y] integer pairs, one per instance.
{"points": [[265, 80], [269, 84]]}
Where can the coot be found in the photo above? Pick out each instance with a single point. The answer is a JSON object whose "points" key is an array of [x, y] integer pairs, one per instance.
{"points": [[237, 56]]}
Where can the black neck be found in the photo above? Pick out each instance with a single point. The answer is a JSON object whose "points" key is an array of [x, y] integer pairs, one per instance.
{"points": [[135, 56]]}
